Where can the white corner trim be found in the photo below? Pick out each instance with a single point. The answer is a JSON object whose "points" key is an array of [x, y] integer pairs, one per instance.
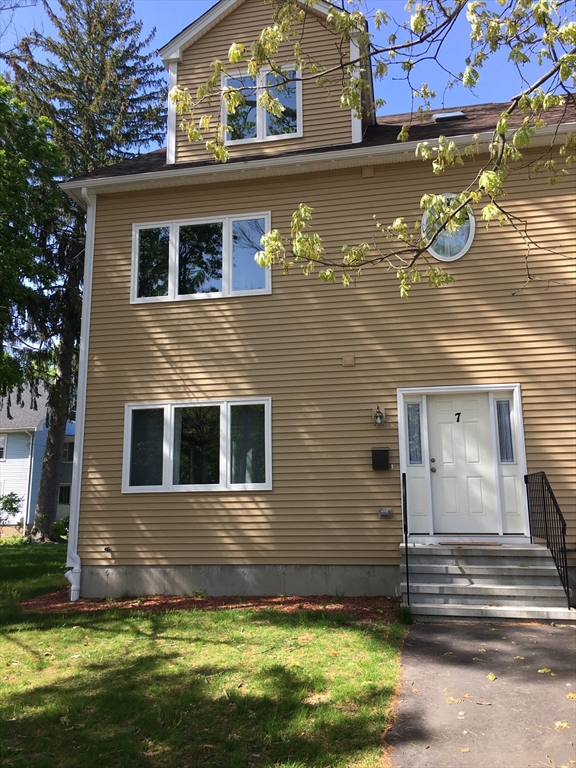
{"points": [[171, 136], [73, 559], [356, 121]]}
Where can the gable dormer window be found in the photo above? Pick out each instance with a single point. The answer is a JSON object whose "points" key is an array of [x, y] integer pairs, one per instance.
{"points": [[250, 121]]}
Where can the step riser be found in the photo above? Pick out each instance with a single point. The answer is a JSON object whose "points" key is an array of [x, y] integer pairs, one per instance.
{"points": [[487, 600], [531, 550], [483, 576], [479, 561], [481, 581], [462, 612], [505, 591]]}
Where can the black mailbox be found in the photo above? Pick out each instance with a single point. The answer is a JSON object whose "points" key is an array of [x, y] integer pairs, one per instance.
{"points": [[380, 458]]}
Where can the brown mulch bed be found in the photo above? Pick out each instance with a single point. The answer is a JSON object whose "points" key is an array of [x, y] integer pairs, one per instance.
{"points": [[381, 608]]}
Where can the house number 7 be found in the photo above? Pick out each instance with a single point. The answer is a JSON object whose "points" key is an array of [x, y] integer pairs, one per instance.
{"points": [[458, 416]]}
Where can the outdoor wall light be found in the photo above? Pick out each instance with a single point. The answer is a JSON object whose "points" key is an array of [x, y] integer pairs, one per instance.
{"points": [[378, 417]]}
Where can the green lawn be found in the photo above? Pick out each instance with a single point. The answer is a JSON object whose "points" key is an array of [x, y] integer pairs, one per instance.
{"points": [[225, 688], [27, 570]]}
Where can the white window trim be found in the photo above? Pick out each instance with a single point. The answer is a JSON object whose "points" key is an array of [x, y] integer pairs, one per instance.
{"points": [[5, 448], [261, 111], [174, 227], [467, 245], [169, 407]]}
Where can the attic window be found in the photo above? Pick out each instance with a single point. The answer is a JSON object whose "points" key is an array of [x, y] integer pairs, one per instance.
{"points": [[446, 117], [250, 121]]}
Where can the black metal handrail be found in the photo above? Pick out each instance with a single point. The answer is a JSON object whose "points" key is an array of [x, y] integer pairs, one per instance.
{"points": [[405, 523], [547, 523]]}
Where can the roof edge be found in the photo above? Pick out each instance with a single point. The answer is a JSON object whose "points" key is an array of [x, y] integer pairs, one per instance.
{"points": [[295, 163]]}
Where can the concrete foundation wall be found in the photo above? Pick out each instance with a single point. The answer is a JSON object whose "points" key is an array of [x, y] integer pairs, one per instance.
{"points": [[244, 580]]}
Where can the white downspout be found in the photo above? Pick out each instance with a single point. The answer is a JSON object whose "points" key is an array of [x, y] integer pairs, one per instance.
{"points": [[73, 560], [28, 515]]}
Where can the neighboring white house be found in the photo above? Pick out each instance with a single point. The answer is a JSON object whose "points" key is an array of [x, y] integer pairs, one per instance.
{"points": [[22, 446]]}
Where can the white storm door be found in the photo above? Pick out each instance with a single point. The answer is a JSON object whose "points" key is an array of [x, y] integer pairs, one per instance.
{"points": [[462, 472]]}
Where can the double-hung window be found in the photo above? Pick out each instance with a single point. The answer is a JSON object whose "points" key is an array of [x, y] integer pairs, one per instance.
{"points": [[200, 445], [199, 258], [251, 121]]}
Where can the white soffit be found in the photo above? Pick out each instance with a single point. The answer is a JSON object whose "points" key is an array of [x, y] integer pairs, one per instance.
{"points": [[174, 49]]}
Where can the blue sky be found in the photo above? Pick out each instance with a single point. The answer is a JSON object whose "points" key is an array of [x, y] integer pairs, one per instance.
{"points": [[499, 82]]}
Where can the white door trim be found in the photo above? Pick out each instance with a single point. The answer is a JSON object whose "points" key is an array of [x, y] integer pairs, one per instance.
{"points": [[404, 393]]}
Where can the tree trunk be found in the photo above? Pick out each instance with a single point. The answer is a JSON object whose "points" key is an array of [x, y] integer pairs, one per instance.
{"points": [[59, 405]]}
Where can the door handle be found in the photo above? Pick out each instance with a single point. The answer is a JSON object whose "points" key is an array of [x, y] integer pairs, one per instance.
{"points": [[432, 469]]}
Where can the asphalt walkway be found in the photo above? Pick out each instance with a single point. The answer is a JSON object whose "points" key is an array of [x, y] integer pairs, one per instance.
{"points": [[486, 696]]}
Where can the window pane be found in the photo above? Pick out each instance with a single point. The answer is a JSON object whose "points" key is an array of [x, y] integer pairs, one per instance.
{"points": [[200, 259], [197, 445], [287, 122], [449, 245], [414, 434], [2, 446], [242, 123], [64, 494], [504, 431], [248, 449], [146, 446], [153, 245], [246, 274]]}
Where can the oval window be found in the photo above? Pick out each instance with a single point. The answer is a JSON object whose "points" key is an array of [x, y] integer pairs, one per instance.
{"points": [[448, 246]]}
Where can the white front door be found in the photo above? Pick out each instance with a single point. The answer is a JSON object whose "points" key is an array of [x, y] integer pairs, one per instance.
{"points": [[461, 464]]}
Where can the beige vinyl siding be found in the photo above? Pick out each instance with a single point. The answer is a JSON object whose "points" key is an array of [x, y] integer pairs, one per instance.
{"points": [[289, 345], [325, 123]]}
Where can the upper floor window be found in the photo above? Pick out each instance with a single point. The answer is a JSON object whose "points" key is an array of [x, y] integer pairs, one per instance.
{"points": [[2, 447], [201, 445], [199, 258], [251, 121]]}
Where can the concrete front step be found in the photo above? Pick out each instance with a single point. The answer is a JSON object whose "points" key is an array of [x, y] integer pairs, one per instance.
{"points": [[467, 581], [454, 612], [551, 597], [528, 556], [483, 574]]}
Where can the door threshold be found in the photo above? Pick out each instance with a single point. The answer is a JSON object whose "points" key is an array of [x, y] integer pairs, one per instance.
{"points": [[471, 540]]}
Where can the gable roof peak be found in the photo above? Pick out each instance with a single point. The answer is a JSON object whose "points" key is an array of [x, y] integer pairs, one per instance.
{"points": [[173, 50]]}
